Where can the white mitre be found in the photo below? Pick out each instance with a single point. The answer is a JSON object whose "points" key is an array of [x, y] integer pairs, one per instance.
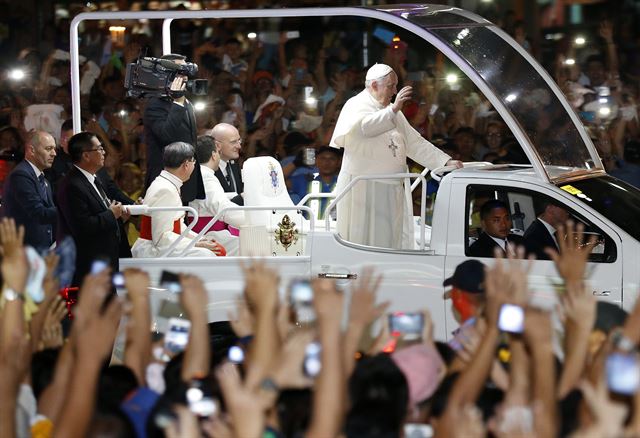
{"points": [[378, 71]]}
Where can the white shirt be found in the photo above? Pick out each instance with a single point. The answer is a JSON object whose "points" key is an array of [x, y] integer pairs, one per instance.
{"points": [[222, 166], [35, 169], [501, 242], [92, 180]]}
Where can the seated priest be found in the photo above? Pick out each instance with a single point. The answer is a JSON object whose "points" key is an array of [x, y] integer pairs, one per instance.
{"points": [[225, 229], [160, 229]]}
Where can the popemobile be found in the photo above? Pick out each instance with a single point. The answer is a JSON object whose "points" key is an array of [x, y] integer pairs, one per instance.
{"points": [[564, 168]]}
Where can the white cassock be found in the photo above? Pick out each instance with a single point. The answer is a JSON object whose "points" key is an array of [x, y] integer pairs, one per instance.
{"points": [[376, 141], [216, 199], [165, 226]]}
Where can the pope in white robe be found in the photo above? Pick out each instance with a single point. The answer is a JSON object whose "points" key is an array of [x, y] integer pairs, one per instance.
{"points": [[377, 139]]}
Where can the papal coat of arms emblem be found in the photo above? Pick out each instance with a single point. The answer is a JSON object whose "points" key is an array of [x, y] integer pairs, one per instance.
{"points": [[286, 234]]}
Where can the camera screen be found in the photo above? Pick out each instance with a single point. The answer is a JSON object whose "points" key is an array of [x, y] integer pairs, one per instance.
{"points": [[98, 266], [511, 318], [623, 373], [411, 324], [177, 336], [301, 291], [118, 279], [170, 281], [312, 362]]}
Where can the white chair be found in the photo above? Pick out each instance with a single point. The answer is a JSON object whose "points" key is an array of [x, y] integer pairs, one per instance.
{"points": [[264, 185]]}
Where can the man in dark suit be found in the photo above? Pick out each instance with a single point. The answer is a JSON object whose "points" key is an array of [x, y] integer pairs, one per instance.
{"points": [[496, 224], [86, 213], [541, 234], [167, 120], [27, 196], [229, 143], [62, 165]]}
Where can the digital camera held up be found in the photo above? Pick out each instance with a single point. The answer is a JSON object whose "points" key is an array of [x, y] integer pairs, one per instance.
{"points": [[152, 77]]}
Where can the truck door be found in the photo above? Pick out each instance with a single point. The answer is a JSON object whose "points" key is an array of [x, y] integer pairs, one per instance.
{"points": [[525, 204]]}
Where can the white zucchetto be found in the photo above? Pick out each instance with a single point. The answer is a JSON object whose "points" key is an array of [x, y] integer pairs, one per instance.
{"points": [[378, 71]]}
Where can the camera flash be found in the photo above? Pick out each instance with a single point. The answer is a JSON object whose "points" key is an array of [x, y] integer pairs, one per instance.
{"points": [[569, 61], [451, 78], [252, 35], [580, 41], [199, 106], [16, 74]]}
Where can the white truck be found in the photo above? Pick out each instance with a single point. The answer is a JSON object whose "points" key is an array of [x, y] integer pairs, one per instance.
{"points": [[564, 166]]}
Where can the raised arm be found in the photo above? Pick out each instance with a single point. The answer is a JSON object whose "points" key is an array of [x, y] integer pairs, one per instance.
{"points": [[329, 392], [197, 356], [261, 294], [138, 345]]}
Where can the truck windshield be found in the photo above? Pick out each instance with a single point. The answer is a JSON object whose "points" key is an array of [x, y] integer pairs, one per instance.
{"points": [[555, 138], [614, 199]]}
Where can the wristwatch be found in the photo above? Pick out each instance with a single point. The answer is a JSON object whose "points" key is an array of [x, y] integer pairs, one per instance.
{"points": [[12, 295], [622, 343]]}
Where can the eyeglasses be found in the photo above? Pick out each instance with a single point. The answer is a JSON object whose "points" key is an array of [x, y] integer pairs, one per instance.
{"points": [[237, 141]]}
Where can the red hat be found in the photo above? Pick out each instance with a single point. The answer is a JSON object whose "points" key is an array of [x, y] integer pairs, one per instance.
{"points": [[262, 74]]}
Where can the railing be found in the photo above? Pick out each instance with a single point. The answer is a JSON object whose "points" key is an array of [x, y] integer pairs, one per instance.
{"points": [[423, 197], [144, 209]]}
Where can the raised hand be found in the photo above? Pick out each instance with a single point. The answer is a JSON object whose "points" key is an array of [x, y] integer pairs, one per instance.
{"points": [[571, 262], [506, 282], [403, 96], [14, 261], [261, 286], [194, 296], [363, 309]]}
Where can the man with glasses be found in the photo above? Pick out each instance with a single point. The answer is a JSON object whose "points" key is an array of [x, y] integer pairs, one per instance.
{"points": [[86, 212], [170, 119], [160, 229], [27, 195], [229, 143]]}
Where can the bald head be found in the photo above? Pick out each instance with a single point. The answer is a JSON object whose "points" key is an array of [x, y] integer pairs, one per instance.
{"points": [[228, 140], [40, 149]]}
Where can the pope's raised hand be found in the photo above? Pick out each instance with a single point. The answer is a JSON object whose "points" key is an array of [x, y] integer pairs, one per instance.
{"points": [[402, 96]]}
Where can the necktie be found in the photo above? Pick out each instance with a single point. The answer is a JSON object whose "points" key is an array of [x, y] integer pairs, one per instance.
{"points": [[102, 193], [43, 188], [229, 178]]}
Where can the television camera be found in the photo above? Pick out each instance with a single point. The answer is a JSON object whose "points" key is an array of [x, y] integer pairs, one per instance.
{"points": [[152, 77]]}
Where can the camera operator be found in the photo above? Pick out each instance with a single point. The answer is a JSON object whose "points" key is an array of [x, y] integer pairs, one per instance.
{"points": [[170, 119]]}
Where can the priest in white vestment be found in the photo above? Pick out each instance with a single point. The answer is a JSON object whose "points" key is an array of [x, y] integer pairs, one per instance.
{"points": [[225, 229], [160, 229], [377, 139]]}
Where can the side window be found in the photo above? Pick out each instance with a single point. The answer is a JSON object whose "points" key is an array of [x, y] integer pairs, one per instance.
{"points": [[523, 217]]}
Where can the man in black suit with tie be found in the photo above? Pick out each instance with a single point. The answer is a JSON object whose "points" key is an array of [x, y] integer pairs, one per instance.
{"points": [[229, 142], [61, 166], [496, 224], [86, 213], [541, 234], [170, 119], [27, 195]]}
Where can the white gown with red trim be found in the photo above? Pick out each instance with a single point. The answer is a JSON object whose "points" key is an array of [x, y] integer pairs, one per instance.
{"points": [[164, 191]]}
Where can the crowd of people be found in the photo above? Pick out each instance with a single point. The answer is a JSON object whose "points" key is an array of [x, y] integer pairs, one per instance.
{"points": [[282, 367]]}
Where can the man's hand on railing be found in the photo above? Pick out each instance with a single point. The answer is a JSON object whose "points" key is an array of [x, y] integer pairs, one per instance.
{"points": [[213, 246]]}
